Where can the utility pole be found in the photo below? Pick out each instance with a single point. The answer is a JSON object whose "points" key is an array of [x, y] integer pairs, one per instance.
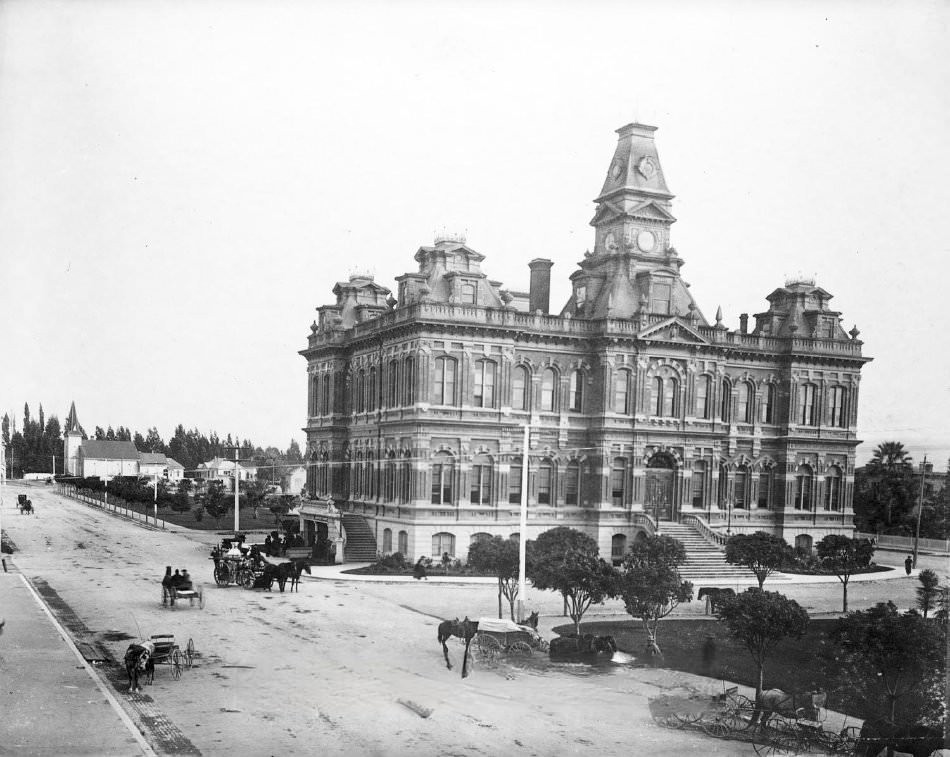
{"points": [[523, 523], [920, 506], [154, 500], [237, 514]]}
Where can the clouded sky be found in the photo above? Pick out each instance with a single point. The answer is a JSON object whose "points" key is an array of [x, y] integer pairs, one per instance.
{"points": [[181, 184]]}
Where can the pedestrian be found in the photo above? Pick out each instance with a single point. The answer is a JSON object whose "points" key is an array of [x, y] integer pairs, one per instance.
{"points": [[908, 564], [167, 585], [267, 546], [419, 570]]}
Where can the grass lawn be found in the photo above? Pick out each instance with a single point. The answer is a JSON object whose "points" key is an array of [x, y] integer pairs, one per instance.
{"points": [[794, 666]]}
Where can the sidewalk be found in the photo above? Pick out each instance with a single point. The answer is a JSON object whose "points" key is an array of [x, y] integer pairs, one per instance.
{"points": [[52, 702]]}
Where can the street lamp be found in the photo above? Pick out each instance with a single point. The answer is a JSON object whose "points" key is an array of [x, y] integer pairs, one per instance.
{"points": [[729, 516], [920, 506]]}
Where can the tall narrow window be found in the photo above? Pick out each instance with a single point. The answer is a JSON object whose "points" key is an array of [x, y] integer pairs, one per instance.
{"points": [[403, 543], [326, 393], [744, 402], [572, 484], [833, 488], [698, 484], [622, 392], [767, 408], [371, 394], [514, 482], [726, 409], [442, 474], [369, 482], [741, 487], [484, 392], [404, 482], [468, 294], [361, 391], [577, 391], [389, 481], [547, 390], [657, 404], [393, 383], [806, 405], [660, 299], [618, 477], [358, 479], [702, 396], [480, 478], [765, 488], [408, 382], [805, 485], [519, 388], [836, 415], [545, 482], [387, 541], [670, 391], [312, 397], [444, 381]]}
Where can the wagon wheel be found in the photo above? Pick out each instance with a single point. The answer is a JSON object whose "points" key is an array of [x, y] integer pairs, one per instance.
{"points": [[247, 579], [177, 662], [717, 728], [222, 575], [520, 648], [488, 647], [740, 713], [845, 742], [685, 719], [190, 653], [775, 742]]}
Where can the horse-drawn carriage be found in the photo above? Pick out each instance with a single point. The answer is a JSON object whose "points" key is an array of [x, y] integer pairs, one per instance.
{"points": [[160, 649], [25, 504], [496, 637]]}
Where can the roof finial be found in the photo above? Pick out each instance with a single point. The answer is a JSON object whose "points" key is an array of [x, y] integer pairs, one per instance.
{"points": [[719, 316]]}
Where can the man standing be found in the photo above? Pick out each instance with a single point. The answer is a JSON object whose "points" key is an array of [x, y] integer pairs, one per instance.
{"points": [[908, 564]]}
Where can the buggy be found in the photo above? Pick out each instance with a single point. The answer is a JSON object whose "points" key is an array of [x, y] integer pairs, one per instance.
{"points": [[167, 652], [496, 637]]}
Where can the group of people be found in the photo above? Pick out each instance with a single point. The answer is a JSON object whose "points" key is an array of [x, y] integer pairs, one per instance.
{"points": [[276, 545], [174, 583]]}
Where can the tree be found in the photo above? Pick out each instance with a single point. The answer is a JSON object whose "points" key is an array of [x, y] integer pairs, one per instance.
{"points": [[6, 429], [153, 441], [891, 664], [498, 556], [891, 455], [760, 552], [566, 561], [181, 502], [280, 505], [928, 593], [293, 452], [761, 620], [843, 556], [255, 491], [884, 491], [215, 501], [650, 583]]}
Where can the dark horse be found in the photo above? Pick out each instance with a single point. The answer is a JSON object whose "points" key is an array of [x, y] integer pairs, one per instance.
{"points": [[714, 596], [138, 661], [584, 646], [291, 570], [27, 507], [464, 629]]}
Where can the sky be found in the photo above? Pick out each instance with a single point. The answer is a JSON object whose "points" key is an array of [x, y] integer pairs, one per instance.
{"points": [[181, 184]]}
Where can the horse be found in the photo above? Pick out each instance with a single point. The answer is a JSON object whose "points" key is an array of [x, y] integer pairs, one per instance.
{"points": [[27, 507], [714, 597], [585, 645], [916, 740], [464, 629], [805, 706], [138, 660], [531, 621], [291, 570]]}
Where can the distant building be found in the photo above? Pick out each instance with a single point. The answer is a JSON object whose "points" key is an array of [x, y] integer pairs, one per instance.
{"points": [[642, 410], [106, 460], [175, 470], [221, 469], [293, 480]]}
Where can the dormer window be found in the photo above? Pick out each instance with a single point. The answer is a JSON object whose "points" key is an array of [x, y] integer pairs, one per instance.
{"points": [[468, 294], [580, 295], [660, 298]]}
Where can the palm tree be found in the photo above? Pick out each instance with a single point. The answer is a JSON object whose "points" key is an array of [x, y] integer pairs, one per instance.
{"points": [[891, 456]]}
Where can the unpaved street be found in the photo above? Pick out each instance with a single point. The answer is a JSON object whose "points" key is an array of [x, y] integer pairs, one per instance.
{"points": [[322, 671]]}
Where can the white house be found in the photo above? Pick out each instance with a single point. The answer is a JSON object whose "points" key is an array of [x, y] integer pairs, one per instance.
{"points": [[293, 480], [175, 470], [105, 459], [220, 469]]}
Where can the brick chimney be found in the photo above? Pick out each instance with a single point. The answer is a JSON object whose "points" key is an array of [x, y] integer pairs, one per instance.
{"points": [[744, 323], [539, 296]]}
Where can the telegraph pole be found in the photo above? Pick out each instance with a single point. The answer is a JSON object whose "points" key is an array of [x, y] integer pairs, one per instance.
{"points": [[920, 506], [237, 514], [523, 524]]}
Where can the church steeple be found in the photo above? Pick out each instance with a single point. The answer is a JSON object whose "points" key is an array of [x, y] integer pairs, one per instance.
{"points": [[72, 421]]}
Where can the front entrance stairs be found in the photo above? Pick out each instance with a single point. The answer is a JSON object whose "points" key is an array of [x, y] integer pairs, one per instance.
{"points": [[360, 540], [705, 562]]}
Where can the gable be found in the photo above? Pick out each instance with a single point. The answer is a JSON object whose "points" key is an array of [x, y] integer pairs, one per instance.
{"points": [[651, 211], [673, 329]]}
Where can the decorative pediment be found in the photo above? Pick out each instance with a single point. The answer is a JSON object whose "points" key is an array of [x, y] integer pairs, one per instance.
{"points": [[652, 211], [606, 211], [673, 329]]}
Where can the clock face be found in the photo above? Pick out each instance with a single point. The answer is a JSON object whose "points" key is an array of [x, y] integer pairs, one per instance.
{"points": [[646, 240]]}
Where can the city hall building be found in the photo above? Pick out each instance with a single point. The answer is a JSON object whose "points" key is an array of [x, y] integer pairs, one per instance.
{"points": [[642, 410]]}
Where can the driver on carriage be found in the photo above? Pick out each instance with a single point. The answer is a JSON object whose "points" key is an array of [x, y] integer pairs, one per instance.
{"points": [[185, 582]]}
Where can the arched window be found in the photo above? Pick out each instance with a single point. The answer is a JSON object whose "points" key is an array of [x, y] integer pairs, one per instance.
{"points": [[387, 541], [836, 399], [833, 488], [618, 480], [702, 396], [443, 543], [393, 399], [548, 397], [545, 482], [361, 391], [519, 388], [326, 393], [803, 543], [408, 382], [444, 381], [618, 548], [664, 397], [514, 482], [622, 392], [479, 537], [480, 477], [807, 396], [577, 391], [765, 488], [323, 471], [572, 483], [371, 392], [484, 391], [805, 486], [742, 482], [767, 407], [744, 402], [698, 484], [726, 409], [657, 404], [443, 471], [403, 542]]}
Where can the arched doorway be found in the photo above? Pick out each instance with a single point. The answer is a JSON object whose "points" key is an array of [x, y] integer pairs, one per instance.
{"points": [[658, 497]]}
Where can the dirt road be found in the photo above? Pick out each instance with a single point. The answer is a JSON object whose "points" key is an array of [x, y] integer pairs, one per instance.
{"points": [[324, 670]]}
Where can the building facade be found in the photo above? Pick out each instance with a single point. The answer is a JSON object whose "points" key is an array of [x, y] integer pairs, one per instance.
{"points": [[641, 410]]}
